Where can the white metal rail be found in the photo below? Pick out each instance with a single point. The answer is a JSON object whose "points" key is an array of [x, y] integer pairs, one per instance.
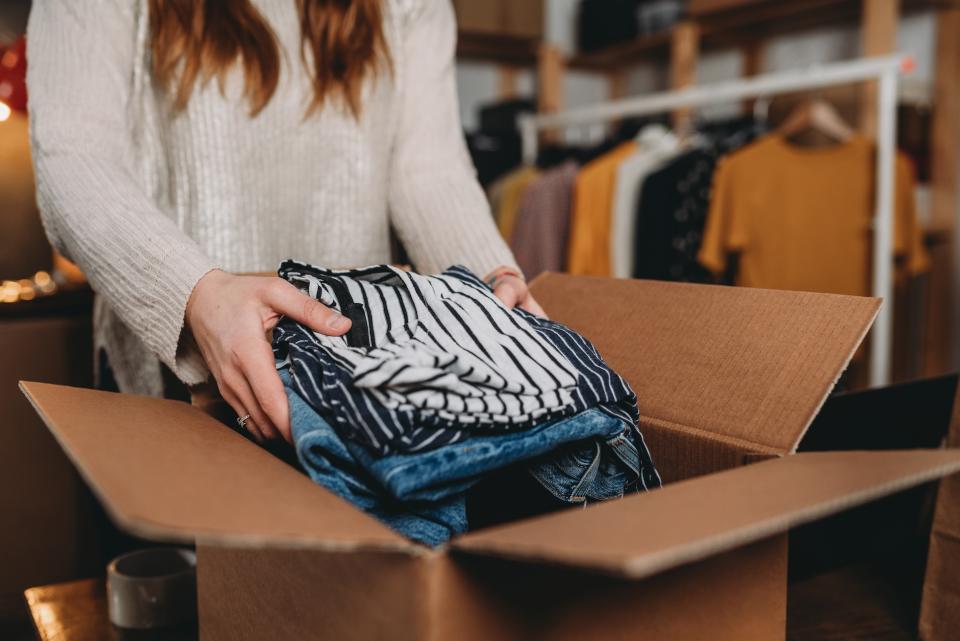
{"points": [[884, 69]]}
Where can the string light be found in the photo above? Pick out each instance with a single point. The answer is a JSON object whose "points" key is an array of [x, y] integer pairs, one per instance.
{"points": [[5, 112], [14, 291]]}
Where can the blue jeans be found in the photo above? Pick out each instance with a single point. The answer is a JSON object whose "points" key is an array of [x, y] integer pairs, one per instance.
{"points": [[587, 456]]}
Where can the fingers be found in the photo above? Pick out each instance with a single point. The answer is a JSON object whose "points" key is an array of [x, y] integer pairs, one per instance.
{"points": [[531, 305], [510, 290], [289, 301], [261, 374], [513, 292], [239, 408], [234, 383]]}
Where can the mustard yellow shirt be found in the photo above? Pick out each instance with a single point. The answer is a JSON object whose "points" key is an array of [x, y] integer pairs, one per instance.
{"points": [[801, 218], [589, 246]]}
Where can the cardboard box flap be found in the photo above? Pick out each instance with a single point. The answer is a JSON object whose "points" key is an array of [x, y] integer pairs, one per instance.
{"points": [[691, 520], [167, 471], [751, 366]]}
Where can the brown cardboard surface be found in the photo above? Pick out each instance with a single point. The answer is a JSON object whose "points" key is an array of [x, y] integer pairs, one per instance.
{"points": [[682, 455], [736, 596], [167, 471], [691, 520], [940, 607], [751, 366], [308, 594]]}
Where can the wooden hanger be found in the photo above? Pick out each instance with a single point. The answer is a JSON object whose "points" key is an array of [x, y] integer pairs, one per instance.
{"points": [[820, 116]]}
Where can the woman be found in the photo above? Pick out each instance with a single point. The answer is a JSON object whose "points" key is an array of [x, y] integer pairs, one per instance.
{"points": [[177, 143]]}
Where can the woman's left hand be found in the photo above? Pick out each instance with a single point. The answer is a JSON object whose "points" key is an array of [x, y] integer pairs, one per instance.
{"points": [[512, 291]]}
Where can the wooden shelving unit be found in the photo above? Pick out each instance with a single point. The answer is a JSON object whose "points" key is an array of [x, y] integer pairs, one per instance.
{"points": [[512, 51], [747, 25], [654, 47]]}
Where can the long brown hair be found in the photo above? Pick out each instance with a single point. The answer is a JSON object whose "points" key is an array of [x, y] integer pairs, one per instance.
{"points": [[342, 41]]}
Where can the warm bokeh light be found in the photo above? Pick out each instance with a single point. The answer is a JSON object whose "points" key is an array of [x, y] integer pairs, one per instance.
{"points": [[14, 291], [9, 291], [27, 290], [44, 282], [5, 112]]}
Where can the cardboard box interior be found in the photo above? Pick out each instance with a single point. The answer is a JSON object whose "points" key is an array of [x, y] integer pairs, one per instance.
{"points": [[724, 376], [866, 565]]}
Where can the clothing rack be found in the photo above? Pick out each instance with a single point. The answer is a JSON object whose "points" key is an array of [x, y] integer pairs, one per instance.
{"points": [[884, 69]]}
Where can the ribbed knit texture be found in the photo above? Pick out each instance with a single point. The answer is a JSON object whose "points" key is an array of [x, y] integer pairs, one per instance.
{"points": [[147, 201]]}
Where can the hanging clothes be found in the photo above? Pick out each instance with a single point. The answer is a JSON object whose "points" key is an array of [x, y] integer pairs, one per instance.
{"points": [[510, 190], [801, 218], [541, 231], [671, 208], [589, 248], [656, 146]]}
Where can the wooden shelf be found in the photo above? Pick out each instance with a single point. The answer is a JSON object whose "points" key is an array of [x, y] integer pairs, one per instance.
{"points": [[753, 20], [734, 23], [651, 47], [488, 47]]}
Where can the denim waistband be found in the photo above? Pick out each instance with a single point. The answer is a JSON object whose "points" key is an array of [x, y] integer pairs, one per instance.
{"points": [[595, 470]]}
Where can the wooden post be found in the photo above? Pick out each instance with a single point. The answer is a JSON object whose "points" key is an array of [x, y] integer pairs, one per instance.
{"points": [[507, 81], [879, 34], [751, 53], [550, 70], [945, 134], [617, 83], [943, 334], [684, 49]]}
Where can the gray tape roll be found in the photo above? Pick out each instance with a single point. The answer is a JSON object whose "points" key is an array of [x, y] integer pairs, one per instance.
{"points": [[152, 588]]}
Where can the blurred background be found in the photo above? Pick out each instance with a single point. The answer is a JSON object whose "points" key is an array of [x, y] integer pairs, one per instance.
{"points": [[519, 56]]}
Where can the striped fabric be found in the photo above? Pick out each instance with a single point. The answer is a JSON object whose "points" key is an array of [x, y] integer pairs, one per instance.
{"points": [[432, 360]]}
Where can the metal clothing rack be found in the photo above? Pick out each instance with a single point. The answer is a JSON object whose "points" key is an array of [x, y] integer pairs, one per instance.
{"points": [[884, 69]]}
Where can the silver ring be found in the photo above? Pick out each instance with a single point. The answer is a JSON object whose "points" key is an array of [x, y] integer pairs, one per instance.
{"points": [[242, 421]]}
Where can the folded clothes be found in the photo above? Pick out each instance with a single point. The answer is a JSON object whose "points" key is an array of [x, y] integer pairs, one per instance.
{"points": [[424, 495], [376, 418], [427, 358]]}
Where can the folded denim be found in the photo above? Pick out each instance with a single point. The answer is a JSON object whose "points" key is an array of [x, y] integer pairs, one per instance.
{"points": [[451, 469], [589, 456], [329, 463]]}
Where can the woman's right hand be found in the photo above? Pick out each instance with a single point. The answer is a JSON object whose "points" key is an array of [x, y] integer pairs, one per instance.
{"points": [[230, 318]]}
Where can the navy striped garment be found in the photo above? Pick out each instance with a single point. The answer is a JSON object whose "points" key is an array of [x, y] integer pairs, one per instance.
{"points": [[431, 360]]}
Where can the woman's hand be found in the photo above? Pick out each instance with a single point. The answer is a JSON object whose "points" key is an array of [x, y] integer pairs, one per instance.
{"points": [[230, 317], [510, 287]]}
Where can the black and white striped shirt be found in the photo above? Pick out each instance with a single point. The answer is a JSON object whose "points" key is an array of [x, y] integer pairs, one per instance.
{"points": [[431, 360]]}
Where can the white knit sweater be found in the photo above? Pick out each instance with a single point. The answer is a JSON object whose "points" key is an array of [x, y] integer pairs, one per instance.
{"points": [[147, 201]]}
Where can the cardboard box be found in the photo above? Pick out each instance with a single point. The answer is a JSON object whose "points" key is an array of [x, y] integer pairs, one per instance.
{"points": [[724, 376]]}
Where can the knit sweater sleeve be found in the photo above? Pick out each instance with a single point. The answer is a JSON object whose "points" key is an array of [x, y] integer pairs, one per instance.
{"points": [[92, 202], [437, 206]]}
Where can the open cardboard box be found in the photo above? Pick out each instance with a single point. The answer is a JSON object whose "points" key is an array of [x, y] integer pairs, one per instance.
{"points": [[725, 377]]}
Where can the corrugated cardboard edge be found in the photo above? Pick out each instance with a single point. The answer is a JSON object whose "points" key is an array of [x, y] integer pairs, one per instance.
{"points": [[143, 527], [702, 549], [745, 445], [846, 363], [738, 442]]}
